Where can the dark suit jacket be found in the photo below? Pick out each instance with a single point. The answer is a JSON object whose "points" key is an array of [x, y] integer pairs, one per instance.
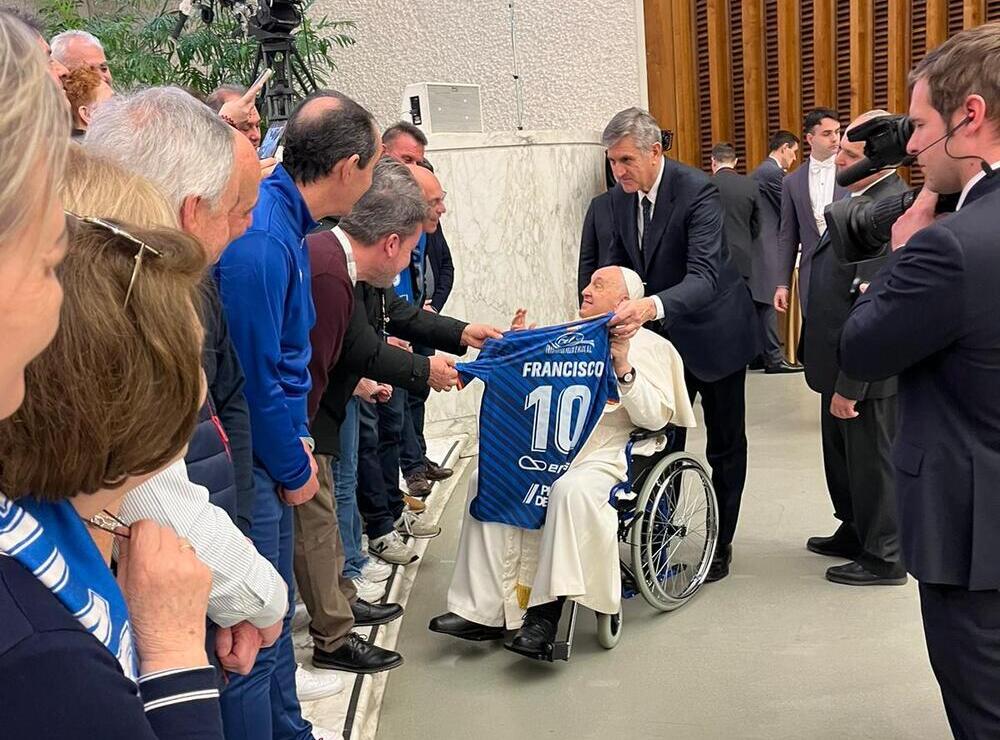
{"points": [[709, 315], [769, 177], [830, 302], [742, 217], [932, 316], [798, 227], [365, 354], [439, 257], [595, 243]]}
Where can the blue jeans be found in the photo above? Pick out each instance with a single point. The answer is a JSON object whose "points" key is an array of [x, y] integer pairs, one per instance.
{"points": [[379, 507], [345, 477], [398, 447], [263, 704]]}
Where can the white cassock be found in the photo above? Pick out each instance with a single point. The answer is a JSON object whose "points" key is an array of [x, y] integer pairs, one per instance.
{"points": [[501, 570]]}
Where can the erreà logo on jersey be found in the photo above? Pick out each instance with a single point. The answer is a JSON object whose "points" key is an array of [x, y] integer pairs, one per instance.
{"points": [[572, 342]]}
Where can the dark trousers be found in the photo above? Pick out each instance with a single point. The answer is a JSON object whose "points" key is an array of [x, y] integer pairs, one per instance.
{"points": [[767, 320], [415, 414], [398, 446], [724, 404], [379, 507], [856, 459], [962, 629]]}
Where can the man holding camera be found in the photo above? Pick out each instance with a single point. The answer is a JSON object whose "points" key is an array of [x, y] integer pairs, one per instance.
{"points": [[931, 316], [858, 419]]}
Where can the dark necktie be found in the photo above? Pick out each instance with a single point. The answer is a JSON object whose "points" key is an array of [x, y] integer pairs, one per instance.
{"points": [[647, 216]]}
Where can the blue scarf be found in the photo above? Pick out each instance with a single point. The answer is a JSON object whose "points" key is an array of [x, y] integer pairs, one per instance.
{"points": [[52, 542]]}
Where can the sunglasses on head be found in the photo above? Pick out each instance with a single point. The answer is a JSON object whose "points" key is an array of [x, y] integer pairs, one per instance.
{"points": [[120, 232]]}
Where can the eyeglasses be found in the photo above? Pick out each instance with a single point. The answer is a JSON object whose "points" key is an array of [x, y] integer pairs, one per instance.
{"points": [[119, 232]]}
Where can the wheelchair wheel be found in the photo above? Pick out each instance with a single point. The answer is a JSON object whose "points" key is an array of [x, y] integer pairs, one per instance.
{"points": [[674, 532], [609, 629]]}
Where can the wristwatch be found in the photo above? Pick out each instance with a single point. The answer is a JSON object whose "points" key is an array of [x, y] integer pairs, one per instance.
{"points": [[627, 378]]}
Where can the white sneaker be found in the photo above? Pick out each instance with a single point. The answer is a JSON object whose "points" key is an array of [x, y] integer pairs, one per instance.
{"points": [[375, 571], [412, 525], [367, 590], [301, 618], [391, 548], [320, 733], [312, 686]]}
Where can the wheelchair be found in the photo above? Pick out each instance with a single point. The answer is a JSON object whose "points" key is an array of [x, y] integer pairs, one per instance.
{"points": [[668, 527]]}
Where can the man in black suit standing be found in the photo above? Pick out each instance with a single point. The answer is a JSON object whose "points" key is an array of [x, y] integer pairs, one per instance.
{"points": [[783, 148], [805, 195], [668, 227], [931, 317], [857, 419], [743, 228]]}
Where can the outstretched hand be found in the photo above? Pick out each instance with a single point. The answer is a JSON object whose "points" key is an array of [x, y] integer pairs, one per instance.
{"points": [[239, 110], [520, 320], [475, 335]]}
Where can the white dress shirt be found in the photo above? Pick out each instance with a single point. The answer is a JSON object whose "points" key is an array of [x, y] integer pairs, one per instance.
{"points": [[660, 313], [821, 182], [865, 189], [345, 243], [971, 184]]}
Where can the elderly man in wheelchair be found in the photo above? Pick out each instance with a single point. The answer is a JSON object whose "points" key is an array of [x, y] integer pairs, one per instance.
{"points": [[519, 579]]}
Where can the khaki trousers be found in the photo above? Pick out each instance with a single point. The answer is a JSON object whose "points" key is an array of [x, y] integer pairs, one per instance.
{"points": [[319, 565]]}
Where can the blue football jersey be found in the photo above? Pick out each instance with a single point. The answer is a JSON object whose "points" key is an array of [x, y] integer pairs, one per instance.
{"points": [[545, 391]]}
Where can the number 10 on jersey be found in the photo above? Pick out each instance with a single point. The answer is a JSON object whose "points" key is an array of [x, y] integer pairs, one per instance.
{"points": [[572, 409]]}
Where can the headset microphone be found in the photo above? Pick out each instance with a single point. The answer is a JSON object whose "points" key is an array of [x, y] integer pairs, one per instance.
{"points": [[988, 171]]}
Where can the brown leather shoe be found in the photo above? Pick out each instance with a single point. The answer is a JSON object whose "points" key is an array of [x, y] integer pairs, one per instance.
{"points": [[418, 485], [414, 504], [433, 471]]}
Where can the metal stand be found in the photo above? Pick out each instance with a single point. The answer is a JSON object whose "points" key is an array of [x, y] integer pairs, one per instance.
{"points": [[277, 51]]}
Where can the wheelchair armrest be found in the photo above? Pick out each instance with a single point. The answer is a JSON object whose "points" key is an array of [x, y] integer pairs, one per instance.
{"points": [[638, 435]]}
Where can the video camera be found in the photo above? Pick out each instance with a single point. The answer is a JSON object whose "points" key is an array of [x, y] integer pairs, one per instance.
{"points": [[860, 228]]}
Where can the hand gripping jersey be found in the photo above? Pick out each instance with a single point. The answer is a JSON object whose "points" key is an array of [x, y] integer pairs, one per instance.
{"points": [[545, 392]]}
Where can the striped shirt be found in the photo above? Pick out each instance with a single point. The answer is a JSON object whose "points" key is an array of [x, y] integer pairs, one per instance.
{"points": [[245, 586]]}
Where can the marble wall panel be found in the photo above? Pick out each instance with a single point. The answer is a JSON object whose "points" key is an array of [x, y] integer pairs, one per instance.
{"points": [[516, 204]]}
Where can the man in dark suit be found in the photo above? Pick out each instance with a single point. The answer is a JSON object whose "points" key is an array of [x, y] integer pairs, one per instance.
{"points": [[595, 244], [931, 316], [805, 195], [770, 173], [668, 227], [743, 225], [857, 419]]}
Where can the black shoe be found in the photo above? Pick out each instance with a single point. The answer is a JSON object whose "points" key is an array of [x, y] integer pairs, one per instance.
{"points": [[434, 472], [464, 629], [841, 544], [535, 638], [855, 574], [367, 614], [757, 363], [782, 367], [357, 656], [719, 568]]}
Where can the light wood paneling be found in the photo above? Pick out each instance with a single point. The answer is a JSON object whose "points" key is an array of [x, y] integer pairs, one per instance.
{"points": [[720, 71], [686, 76], [900, 18], [660, 62], [937, 23], [789, 65], [824, 30], [754, 82], [862, 54], [973, 13]]}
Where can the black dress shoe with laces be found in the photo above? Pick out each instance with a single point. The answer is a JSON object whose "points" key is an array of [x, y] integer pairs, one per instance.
{"points": [[843, 543], [367, 614], [535, 638], [453, 625], [357, 656], [855, 574]]}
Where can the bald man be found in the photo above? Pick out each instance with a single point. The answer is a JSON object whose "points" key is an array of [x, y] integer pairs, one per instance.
{"points": [[500, 569]]}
